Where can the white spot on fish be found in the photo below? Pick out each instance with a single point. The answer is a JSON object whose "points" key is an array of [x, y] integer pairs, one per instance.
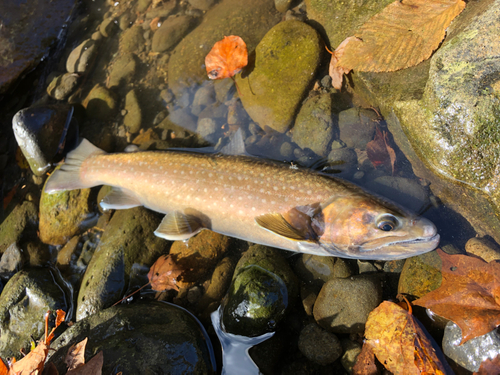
{"points": [[261, 190], [240, 178], [210, 174], [231, 206], [224, 199], [263, 201], [253, 208], [175, 170], [216, 189], [205, 190], [182, 172], [240, 198], [309, 192], [275, 188], [240, 212], [273, 202]]}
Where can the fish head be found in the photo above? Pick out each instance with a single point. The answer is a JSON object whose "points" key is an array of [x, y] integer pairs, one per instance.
{"points": [[366, 227]]}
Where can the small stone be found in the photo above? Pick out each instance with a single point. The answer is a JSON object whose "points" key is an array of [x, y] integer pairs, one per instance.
{"points": [[62, 86], [204, 97], [107, 27], [326, 82], [123, 70], [286, 150], [342, 269], [11, 262], [80, 58], [318, 345], [160, 117], [313, 268], [308, 295], [343, 159], [179, 121], [366, 266], [96, 36], [357, 127], [201, 4], [484, 248], [133, 118], [207, 128], [101, 103], [126, 20], [170, 33], [420, 275], [132, 40], [282, 5], [194, 294], [167, 96], [351, 352], [343, 305], [143, 5]]}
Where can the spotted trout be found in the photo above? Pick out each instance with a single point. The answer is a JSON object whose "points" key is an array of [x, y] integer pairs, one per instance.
{"points": [[259, 201]]}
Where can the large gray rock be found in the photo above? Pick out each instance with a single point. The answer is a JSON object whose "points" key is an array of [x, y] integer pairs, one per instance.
{"points": [[23, 304], [271, 87], [127, 241], [249, 19], [28, 31], [142, 338]]}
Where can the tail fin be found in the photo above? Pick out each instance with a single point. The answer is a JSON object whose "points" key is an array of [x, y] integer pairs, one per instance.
{"points": [[67, 177]]}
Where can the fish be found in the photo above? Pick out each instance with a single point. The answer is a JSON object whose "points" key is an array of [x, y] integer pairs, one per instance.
{"points": [[256, 200]]}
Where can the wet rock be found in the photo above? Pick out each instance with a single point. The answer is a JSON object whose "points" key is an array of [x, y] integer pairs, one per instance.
{"points": [[123, 70], [132, 40], [282, 5], [65, 214], [484, 248], [219, 284], [351, 352], [286, 150], [142, 5], [224, 89], [127, 19], [262, 288], [342, 268], [63, 86], [179, 121], [101, 103], [162, 11], [201, 4], [170, 33], [316, 125], [133, 118], [40, 133], [271, 89], [203, 97], [357, 127], [470, 354], [341, 20], [142, 338], [420, 275], [127, 240], [314, 268], [11, 261], [207, 129], [23, 304], [405, 191], [343, 305], [342, 159], [21, 223], [318, 345], [308, 295], [198, 256], [108, 27], [27, 36], [186, 65], [82, 56], [37, 253]]}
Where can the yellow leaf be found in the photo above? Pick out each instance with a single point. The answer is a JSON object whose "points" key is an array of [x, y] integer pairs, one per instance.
{"points": [[402, 35]]}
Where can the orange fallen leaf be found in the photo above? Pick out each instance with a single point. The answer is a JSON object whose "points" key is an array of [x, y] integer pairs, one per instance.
{"points": [[163, 274], [334, 70], [76, 355], [226, 58], [400, 343], [365, 362], [381, 152], [92, 367], [469, 294]]}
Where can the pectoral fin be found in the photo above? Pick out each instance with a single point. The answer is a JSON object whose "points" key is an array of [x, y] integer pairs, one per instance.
{"points": [[277, 224], [178, 226], [119, 199]]}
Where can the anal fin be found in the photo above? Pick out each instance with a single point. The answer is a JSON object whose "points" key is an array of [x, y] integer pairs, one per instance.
{"points": [[178, 226], [119, 199]]}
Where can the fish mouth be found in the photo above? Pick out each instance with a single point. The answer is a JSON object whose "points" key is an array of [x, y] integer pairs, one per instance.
{"points": [[399, 248]]}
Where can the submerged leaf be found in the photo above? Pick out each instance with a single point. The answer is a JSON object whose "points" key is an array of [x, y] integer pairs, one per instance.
{"points": [[469, 294], [404, 34], [226, 58], [381, 152], [163, 274]]}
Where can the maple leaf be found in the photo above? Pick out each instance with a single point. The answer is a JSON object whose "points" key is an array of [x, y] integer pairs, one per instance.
{"points": [[380, 151], [400, 343], [226, 58], [469, 294], [489, 366], [163, 274], [76, 355], [92, 367]]}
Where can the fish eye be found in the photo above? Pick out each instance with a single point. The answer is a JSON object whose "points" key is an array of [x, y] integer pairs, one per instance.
{"points": [[387, 223]]}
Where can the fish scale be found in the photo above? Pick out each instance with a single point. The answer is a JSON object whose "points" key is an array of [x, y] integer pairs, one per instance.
{"points": [[263, 202]]}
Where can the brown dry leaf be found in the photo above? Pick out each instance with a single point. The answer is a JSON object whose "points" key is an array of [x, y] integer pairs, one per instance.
{"points": [[400, 343], [226, 58], [76, 355], [4, 369], [335, 71], [489, 367], [381, 152], [92, 367], [365, 362], [469, 294], [404, 34], [163, 274]]}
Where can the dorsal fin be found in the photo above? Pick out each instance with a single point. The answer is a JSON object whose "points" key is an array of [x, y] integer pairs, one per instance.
{"points": [[178, 226]]}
